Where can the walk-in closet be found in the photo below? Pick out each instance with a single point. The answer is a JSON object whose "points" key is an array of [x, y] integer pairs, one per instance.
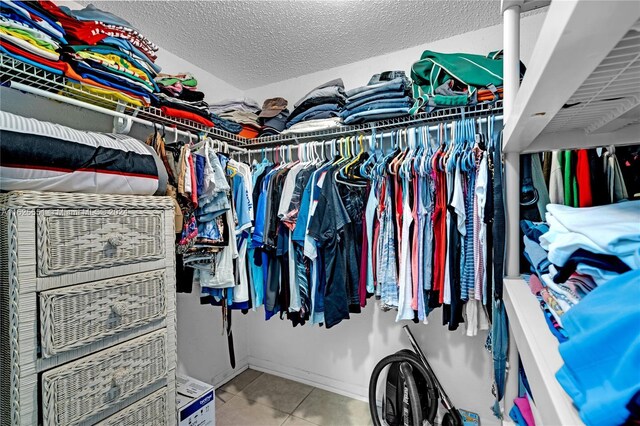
{"points": [[320, 213]]}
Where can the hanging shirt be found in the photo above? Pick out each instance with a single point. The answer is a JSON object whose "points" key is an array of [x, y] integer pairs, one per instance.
{"points": [[405, 290], [326, 223], [370, 213], [223, 276], [241, 201], [556, 180]]}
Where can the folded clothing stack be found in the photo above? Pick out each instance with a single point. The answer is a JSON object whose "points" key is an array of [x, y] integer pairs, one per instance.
{"points": [[602, 354], [122, 60], [325, 101], [31, 35], [385, 96], [273, 116], [239, 111], [179, 97], [96, 49], [576, 251]]}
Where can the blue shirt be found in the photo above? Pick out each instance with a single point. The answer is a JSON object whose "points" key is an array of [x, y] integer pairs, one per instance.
{"points": [[602, 354]]}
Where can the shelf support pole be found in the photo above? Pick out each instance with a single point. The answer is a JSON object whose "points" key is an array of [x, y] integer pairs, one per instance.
{"points": [[511, 75], [511, 34]]}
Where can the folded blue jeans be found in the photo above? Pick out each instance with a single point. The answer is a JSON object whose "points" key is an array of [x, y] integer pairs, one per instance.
{"points": [[376, 114], [305, 114], [533, 230], [386, 76], [380, 104], [397, 84], [390, 94], [317, 115]]}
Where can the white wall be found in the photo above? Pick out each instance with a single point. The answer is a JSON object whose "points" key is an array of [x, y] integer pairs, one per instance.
{"points": [[342, 358], [358, 73], [214, 88], [202, 345]]}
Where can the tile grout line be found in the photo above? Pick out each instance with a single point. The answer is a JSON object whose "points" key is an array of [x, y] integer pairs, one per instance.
{"points": [[303, 400], [249, 384], [234, 394], [285, 420]]}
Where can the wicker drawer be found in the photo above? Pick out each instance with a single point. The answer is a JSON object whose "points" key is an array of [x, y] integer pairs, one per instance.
{"points": [[71, 317], [149, 411], [80, 240], [80, 390]]}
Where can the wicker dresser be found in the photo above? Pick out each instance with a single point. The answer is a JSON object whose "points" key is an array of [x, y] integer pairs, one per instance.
{"points": [[87, 309]]}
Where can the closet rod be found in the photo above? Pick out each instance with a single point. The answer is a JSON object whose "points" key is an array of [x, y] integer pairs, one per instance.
{"points": [[257, 147], [106, 111]]}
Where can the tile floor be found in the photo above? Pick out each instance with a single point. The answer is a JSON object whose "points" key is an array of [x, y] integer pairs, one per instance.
{"points": [[259, 399]]}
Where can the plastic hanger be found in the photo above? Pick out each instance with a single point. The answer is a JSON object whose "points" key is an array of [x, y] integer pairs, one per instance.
{"points": [[198, 144], [367, 166], [426, 155]]}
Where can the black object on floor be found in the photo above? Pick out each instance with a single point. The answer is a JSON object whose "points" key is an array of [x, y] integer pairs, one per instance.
{"points": [[412, 391]]}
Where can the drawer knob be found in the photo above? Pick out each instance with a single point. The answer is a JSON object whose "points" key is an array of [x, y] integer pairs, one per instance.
{"points": [[115, 240], [120, 308]]}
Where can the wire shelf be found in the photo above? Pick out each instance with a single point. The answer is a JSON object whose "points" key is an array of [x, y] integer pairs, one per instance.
{"points": [[14, 70], [437, 116]]}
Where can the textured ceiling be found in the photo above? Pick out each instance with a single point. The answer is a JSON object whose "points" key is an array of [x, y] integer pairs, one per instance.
{"points": [[253, 43]]}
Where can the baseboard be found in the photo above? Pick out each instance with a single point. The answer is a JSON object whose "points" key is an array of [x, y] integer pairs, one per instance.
{"points": [[310, 378], [222, 378]]}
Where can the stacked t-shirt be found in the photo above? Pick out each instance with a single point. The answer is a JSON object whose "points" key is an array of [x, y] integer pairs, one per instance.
{"points": [[91, 47], [179, 97], [31, 35], [243, 111], [108, 53]]}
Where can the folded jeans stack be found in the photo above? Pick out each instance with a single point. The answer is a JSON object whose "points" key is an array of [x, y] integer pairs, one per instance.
{"points": [[385, 96], [324, 101], [242, 112]]}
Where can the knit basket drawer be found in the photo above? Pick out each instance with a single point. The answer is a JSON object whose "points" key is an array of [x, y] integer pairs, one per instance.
{"points": [[70, 241], [72, 317], [149, 411], [80, 390]]}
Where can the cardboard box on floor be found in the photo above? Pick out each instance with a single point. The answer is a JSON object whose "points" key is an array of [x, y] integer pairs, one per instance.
{"points": [[196, 402]]}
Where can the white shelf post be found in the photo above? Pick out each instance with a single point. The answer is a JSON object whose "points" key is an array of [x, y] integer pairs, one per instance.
{"points": [[511, 75], [511, 22]]}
